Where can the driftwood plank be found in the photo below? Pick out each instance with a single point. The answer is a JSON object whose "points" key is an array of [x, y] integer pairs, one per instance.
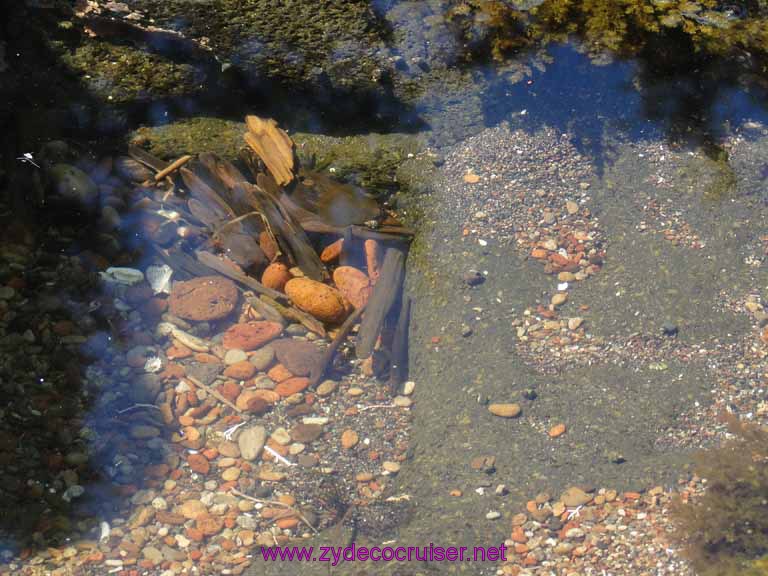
{"points": [[398, 368], [319, 370], [385, 292], [273, 146]]}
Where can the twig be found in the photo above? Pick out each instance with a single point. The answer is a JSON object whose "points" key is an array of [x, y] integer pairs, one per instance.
{"points": [[374, 406], [213, 392], [279, 457], [172, 167], [322, 366], [136, 407], [237, 492]]}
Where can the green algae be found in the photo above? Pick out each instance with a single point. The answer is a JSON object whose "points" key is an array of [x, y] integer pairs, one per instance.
{"points": [[297, 41], [121, 74], [381, 163]]}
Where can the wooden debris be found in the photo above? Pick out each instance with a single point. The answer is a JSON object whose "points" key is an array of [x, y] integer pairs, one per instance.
{"points": [[398, 369], [385, 292], [212, 261], [213, 392], [319, 370], [273, 146], [172, 167]]}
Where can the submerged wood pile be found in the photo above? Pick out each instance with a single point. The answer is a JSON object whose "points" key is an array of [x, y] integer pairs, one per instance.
{"points": [[300, 245]]}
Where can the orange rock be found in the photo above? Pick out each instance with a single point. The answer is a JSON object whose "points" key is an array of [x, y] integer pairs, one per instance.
{"points": [[240, 370], [275, 276], [331, 252], [269, 396], [323, 302], [279, 373], [455, 493], [291, 386], [198, 463], [209, 525], [207, 358], [518, 535], [177, 352], [557, 430], [286, 523], [539, 253], [194, 534], [349, 438], [230, 390], [353, 284], [251, 336], [268, 246], [373, 259]]}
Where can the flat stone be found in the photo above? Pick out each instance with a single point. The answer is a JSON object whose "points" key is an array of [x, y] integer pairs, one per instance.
{"points": [[298, 356], [251, 336], [574, 497], [204, 298], [559, 299], [251, 441], [240, 370], [191, 509], [306, 433]]}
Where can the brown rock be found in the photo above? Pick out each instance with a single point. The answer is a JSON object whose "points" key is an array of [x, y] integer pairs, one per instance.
{"points": [[229, 449], [204, 298], [349, 438], [275, 276], [353, 284], [198, 463], [291, 386], [252, 401], [251, 336], [306, 433], [574, 497], [230, 390], [323, 302], [298, 356], [331, 252], [240, 370], [209, 525]]}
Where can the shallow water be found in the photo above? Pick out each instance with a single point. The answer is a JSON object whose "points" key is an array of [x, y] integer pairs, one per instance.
{"points": [[663, 145]]}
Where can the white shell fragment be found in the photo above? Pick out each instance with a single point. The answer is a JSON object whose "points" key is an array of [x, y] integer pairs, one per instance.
{"points": [[159, 278], [124, 276], [104, 531], [153, 364]]}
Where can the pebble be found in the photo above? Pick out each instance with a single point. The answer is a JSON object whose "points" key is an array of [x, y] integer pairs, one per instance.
{"points": [[235, 356], [191, 509], [557, 430], [306, 433], [509, 410], [349, 438], [493, 515], [390, 467], [571, 207], [251, 441], [262, 358], [281, 436], [408, 387], [326, 388], [574, 497], [559, 299], [402, 401], [575, 323]]}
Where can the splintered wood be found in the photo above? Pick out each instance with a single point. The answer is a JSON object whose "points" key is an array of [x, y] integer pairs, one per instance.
{"points": [[273, 146]]}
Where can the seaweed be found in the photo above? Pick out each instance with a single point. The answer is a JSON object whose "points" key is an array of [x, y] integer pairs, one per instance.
{"points": [[725, 530]]}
